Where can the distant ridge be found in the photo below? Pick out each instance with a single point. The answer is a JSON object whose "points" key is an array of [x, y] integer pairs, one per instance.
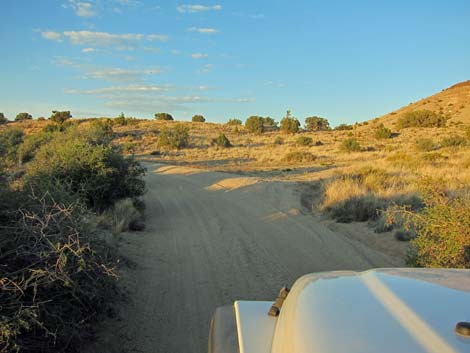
{"points": [[454, 101]]}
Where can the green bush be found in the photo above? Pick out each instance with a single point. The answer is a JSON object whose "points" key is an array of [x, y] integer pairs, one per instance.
{"points": [[351, 145], [31, 144], [222, 141], [422, 118], [289, 124], [60, 117], [97, 173], [55, 277], [344, 127], [3, 119], [454, 141], [163, 116], [10, 141], [255, 124], [198, 119], [315, 123], [234, 122], [425, 144], [442, 229], [23, 116], [382, 132], [304, 141], [278, 140], [357, 209], [299, 157], [177, 137]]}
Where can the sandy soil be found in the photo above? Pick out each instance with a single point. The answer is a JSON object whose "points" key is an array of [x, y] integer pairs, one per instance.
{"points": [[212, 238]]}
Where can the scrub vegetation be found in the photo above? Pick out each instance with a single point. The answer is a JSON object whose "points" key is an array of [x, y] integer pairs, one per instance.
{"points": [[58, 273]]}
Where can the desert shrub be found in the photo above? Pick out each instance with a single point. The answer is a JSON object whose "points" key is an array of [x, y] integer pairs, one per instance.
{"points": [[99, 132], [454, 141], [425, 144], [10, 141], [234, 122], [278, 140], [357, 208], [163, 116], [382, 132], [318, 143], [222, 141], [120, 120], [422, 118], [255, 124], [56, 278], [23, 116], [60, 117], [315, 123], [98, 173], [343, 127], [299, 157], [41, 118], [123, 216], [442, 229], [433, 157], [31, 144], [289, 124], [269, 123], [177, 137], [198, 119], [3, 119], [351, 145], [304, 141]]}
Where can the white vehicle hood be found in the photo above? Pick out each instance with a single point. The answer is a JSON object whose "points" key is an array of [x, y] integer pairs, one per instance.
{"points": [[386, 311]]}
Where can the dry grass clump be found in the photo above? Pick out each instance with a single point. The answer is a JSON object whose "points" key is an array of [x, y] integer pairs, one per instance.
{"points": [[299, 157], [362, 195], [123, 216]]}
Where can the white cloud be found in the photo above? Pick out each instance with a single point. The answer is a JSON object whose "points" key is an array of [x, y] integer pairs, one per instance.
{"points": [[118, 90], [205, 69], [81, 8], [157, 37], [175, 52], [198, 8], [203, 30], [103, 39], [199, 55], [88, 50], [120, 75], [150, 98], [51, 35]]}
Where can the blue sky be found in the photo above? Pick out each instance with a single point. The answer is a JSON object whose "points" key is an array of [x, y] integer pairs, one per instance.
{"points": [[344, 60]]}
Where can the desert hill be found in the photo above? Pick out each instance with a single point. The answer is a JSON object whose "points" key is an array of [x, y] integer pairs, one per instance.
{"points": [[454, 101]]}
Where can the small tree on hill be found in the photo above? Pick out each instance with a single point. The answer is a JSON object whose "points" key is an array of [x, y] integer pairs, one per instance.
{"points": [[3, 120], [23, 116], [255, 124], [422, 118], [163, 116], [222, 141], [289, 124], [234, 122], [198, 119], [60, 117], [315, 123], [344, 127]]}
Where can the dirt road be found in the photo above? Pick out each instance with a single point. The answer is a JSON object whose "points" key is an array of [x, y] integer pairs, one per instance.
{"points": [[212, 238]]}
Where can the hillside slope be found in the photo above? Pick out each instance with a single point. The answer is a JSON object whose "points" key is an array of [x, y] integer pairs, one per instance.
{"points": [[454, 101]]}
